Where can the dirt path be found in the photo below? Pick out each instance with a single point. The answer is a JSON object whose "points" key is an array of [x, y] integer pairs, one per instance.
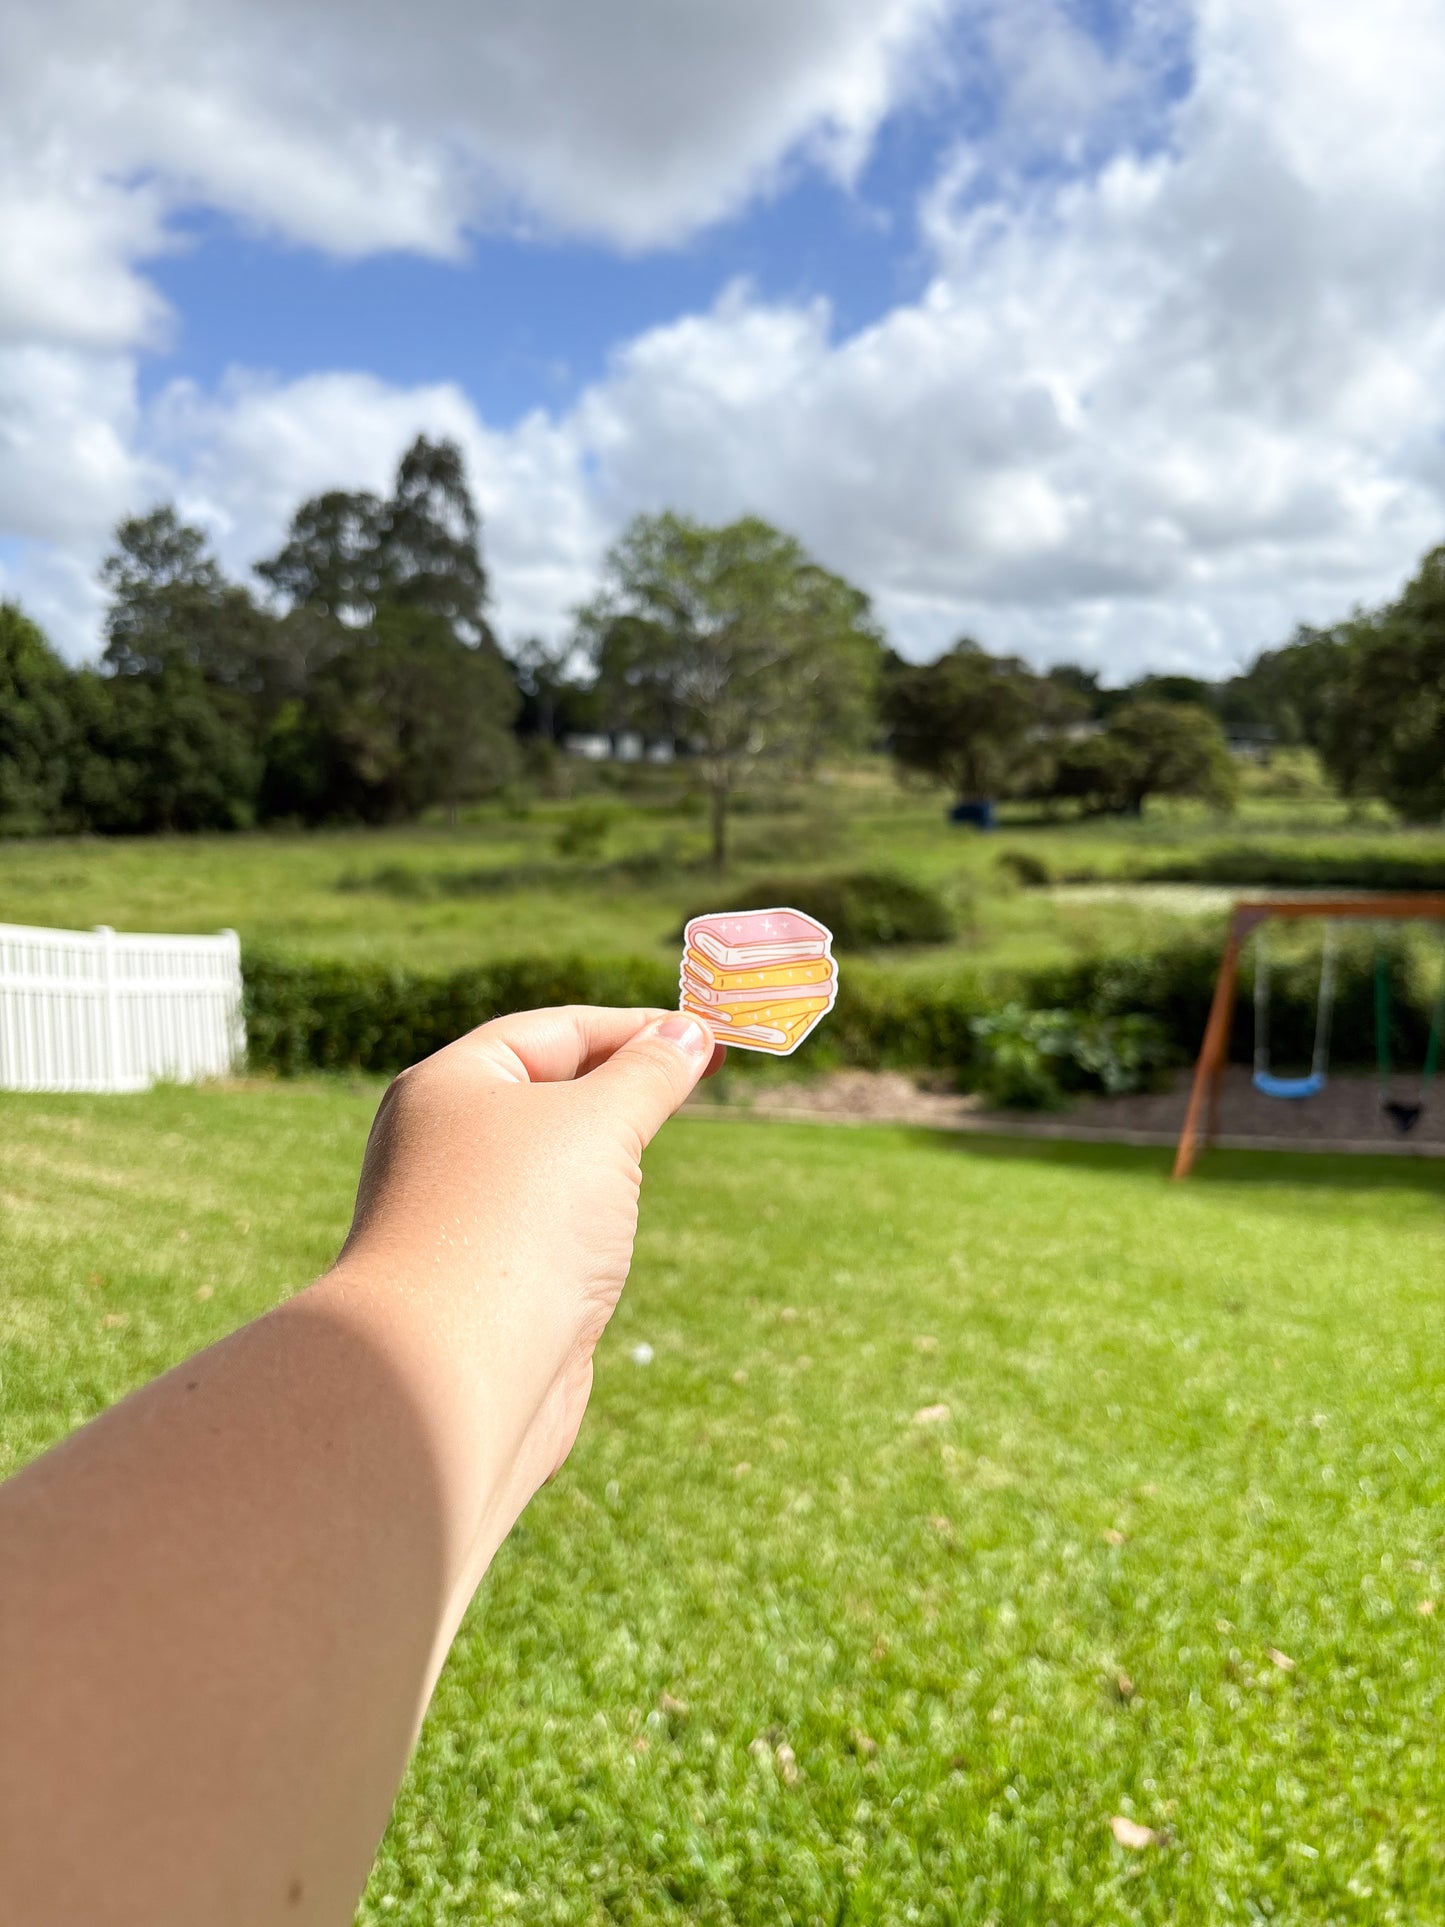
{"points": [[1344, 1117]]}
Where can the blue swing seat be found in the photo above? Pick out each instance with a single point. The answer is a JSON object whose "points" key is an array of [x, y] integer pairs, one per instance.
{"points": [[1269, 1086]]}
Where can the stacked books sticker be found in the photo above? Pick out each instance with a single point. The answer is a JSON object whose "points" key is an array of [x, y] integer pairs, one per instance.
{"points": [[760, 978]]}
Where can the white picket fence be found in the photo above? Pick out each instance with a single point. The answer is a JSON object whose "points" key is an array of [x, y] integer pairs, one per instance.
{"points": [[95, 1011]]}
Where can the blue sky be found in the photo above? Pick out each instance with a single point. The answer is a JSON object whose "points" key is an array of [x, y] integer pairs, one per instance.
{"points": [[1099, 331], [519, 323]]}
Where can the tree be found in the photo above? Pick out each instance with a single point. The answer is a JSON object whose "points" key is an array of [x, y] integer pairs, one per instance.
{"points": [[330, 563], [347, 553], [170, 604], [405, 718], [1384, 729], [1291, 691], [157, 753], [36, 727], [428, 547], [734, 642], [1153, 748], [969, 720]]}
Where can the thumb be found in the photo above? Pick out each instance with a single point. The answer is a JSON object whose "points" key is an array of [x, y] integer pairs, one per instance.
{"points": [[644, 1081]]}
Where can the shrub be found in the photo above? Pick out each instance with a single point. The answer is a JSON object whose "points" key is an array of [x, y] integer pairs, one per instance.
{"points": [[864, 910], [1024, 868], [1030, 1059], [584, 831]]}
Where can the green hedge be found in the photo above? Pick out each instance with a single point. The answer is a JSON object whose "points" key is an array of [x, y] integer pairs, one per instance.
{"points": [[337, 1016], [1258, 866], [327, 1016]]}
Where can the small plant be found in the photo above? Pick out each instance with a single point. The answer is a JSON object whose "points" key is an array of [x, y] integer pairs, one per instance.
{"points": [[584, 831], [1020, 1052]]}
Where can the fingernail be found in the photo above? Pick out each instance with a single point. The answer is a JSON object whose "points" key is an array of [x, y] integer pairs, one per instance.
{"points": [[687, 1033]]}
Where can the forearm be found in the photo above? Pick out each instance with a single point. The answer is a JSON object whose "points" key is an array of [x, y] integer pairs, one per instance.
{"points": [[280, 1537], [223, 1605]]}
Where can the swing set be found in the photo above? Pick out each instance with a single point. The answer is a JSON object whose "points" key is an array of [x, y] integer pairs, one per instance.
{"points": [[1252, 919]]}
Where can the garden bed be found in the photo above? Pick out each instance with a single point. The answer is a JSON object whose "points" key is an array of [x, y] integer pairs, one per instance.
{"points": [[1344, 1117]]}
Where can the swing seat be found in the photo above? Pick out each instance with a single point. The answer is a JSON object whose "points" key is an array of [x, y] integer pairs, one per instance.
{"points": [[1404, 1117], [1292, 1087]]}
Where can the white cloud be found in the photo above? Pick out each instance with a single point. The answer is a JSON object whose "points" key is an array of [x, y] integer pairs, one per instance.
{"points": [[361, 125], [1151, 411]]}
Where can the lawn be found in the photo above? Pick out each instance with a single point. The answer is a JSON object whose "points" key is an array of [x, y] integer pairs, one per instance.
{"points": [[497, 885], [775, 1649]]}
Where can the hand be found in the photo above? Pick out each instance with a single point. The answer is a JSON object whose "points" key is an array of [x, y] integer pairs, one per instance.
{"points": [[494, 1228]]}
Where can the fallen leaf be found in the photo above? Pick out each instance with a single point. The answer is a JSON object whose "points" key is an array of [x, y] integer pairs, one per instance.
{"points": [[183, 1237], [741, 1471], [959, 1763], [203, 1292], [667, 1704], [1123, 1686], [788, 1315], [788, 1765], [859, 1741], [113, 1320], [925, 1344], [930, 1415], [639, 1745], [880, 1648], [1277, 1658], [760, 1749], [1426, 1608], [740, 1378], [1130, 1834], [943, 1527], [1112, 1536]]}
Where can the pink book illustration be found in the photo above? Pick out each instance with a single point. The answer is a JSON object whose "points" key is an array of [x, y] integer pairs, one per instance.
{"points": [[760, 979]]}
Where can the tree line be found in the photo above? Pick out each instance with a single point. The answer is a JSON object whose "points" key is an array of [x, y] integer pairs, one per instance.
{"points": [[360, 682]]}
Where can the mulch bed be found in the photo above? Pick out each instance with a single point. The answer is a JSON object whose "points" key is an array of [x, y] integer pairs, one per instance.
{"points": [[1345, 1116]]}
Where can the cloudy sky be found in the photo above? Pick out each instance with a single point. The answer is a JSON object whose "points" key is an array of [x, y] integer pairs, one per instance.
{"points": [[1103, 331]]}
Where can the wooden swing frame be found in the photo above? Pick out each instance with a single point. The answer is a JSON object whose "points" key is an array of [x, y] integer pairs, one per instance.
{"points": [[1244, 920]]}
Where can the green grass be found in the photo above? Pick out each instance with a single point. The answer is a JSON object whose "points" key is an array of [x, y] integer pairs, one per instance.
{"points": [[1186, 1426], [436, 898]]}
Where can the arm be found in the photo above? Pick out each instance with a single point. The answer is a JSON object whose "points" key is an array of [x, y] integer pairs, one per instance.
{"points": [[224, 1604]]}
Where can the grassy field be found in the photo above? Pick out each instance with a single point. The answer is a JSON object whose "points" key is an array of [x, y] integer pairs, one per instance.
{"points": [[497, 885], [773, 1649]]}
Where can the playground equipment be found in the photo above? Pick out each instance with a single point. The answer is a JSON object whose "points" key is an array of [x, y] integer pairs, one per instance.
{"points": [[1292, 1087], [1245, 920]]}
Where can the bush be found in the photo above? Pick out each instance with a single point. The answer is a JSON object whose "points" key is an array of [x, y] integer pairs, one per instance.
{"points": [[864, 911], [1023, 867], [1030, 1059], [584, 831]]}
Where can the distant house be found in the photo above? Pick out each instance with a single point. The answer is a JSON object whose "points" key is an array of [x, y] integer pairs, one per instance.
{"points": [[619, 746], [1254, 742]]}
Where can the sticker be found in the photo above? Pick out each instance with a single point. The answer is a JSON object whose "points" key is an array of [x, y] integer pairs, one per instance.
{"points": [[759, 979]]}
